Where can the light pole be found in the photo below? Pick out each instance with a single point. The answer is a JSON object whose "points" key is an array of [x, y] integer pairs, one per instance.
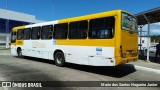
{"points": [[148, 36], [7, 20], [52, 8], [7, 27], [6, 4]]}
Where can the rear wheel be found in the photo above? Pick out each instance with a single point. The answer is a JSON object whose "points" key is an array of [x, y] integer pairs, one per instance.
{"points": [[59, 59]]}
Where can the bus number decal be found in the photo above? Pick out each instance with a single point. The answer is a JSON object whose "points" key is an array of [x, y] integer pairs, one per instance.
{"points": [[38, 45]]}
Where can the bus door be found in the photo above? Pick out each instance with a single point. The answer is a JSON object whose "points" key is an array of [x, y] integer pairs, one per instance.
{"points": [[13, 43]]}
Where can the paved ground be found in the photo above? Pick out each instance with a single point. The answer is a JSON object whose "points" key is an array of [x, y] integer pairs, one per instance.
{"points": [[5, 52], [151, 64], [33, 69]]}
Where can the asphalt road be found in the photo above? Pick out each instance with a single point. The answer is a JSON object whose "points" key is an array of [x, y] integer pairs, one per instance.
{"points": [[33, 69]]}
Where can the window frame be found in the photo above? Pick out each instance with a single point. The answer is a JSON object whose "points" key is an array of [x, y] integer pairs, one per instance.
{"points": [[112, 31], [22, 37], [13, 34], [45, 30], [66, 31], [30, 30], [84, 32], [38, 37]]}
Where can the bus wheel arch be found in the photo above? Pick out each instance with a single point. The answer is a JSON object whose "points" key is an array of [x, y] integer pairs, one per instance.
{"points": [[19, 52], [59, 58]]}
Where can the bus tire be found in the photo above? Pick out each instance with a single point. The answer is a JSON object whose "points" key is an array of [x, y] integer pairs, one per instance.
{"points": [[59, 59], [19, 53]]}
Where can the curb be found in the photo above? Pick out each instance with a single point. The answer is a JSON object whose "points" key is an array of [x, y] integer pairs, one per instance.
{"points": [[147, 69], [4, 48]]}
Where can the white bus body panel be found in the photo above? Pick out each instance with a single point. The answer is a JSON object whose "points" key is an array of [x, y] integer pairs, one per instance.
{"points": [[38, 48], [84, 55], [13, 50], [101, 57], [88, 55]]}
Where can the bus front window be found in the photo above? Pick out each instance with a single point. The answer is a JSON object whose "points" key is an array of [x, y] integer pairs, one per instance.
{"points": [[13, 37], [129, 23]]}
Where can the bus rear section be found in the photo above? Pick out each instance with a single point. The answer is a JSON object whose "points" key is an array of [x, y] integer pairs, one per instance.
{"points": [[129, 39]]}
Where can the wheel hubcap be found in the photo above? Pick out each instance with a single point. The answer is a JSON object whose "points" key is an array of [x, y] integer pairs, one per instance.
{"points": [[20, 53], [59, 59]]}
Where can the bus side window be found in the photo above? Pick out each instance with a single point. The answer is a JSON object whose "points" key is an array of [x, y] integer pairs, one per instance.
{"points": [[77, 30], [102, 28], [60, 31], [46, 32], [20, 34], [27, 33], [35, 35]]}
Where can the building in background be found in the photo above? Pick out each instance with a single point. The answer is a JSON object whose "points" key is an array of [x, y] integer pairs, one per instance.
{"points": [[10, 19]]}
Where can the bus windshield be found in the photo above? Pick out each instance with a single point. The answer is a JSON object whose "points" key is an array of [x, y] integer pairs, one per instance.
{"points": [[129, 22]]}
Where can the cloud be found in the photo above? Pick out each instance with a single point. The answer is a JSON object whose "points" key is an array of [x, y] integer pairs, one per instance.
{"points": [[154, 29], [155, 32], [157, 23]]}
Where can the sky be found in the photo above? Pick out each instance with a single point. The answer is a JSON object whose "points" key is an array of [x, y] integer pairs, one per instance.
{"points": [[48, 10]]}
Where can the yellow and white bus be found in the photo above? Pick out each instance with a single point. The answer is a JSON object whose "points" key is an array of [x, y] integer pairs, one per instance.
{"points": [[101, 39]]}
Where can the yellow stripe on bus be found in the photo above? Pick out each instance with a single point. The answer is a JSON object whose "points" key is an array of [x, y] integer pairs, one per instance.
{"points": [[19, 42], [87, 42], [16, 28]]}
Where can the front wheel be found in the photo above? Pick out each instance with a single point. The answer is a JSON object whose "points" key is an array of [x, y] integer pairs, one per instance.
{"points": [[19, 52], [59, 59]]}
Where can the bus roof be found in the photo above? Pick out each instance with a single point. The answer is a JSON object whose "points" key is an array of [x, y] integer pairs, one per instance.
{"points": [[35, 25], [79, 18], [90, 16]]}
